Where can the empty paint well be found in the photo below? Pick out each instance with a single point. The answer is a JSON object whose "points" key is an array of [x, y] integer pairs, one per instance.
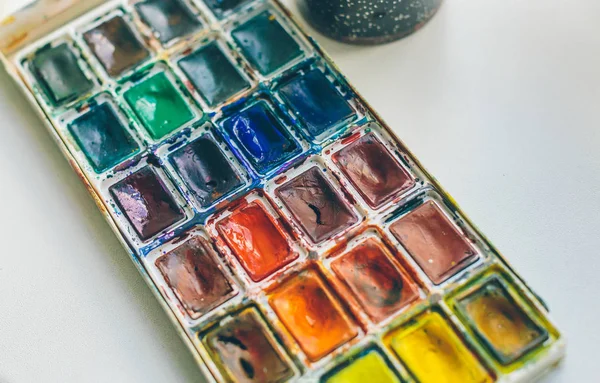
{"points": [[433, 242], [265, 43], [205, 170], [59, 74], [262, 137], [145, 201], [192, 273], [220, 7], [369, 366], [256, 240], [378, 285], [169, 19], [244, 351], [102, 137], [316, 103], [213, 74], [503, 326], [433, 353], [312, 315], [373, 171], [115, 45], [158, 105], [316, 205]]}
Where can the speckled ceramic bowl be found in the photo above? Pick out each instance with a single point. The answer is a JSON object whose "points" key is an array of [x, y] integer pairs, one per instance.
{"points": [[368, 21]]}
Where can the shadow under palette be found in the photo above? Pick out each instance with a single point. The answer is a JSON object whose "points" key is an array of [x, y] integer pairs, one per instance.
{"points": [[289, 234]]}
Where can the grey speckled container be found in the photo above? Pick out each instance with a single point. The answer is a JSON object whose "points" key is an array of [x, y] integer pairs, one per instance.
{"points": [[368, 21]]}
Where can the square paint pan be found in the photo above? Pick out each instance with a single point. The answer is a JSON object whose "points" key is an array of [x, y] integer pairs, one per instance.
{"points": [[283, 227], [214, 74]]}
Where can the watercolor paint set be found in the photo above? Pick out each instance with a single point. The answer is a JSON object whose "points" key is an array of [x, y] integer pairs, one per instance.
{"points": [[287, 232]]}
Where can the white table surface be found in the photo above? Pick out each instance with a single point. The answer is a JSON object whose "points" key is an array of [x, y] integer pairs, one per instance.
{"points": [[499, 99]]}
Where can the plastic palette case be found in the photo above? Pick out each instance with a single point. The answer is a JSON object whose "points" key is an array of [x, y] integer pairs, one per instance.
{"points": [[285, 229]]}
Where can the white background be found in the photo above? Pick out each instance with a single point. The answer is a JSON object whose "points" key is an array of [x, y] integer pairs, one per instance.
{"points": [[500, 99]]}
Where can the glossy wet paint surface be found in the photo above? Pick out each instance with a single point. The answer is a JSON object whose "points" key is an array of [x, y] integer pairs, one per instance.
{"points": [[260, 246], [433, 353], [311, 314], [102, 137], [263, 138], [205, 170], [115, 45], [378, 285], [158, 105], [506, 329], [371, 168], [194, 276], [169, 19], [316, 103], [266, 44], [317, 207], [246, 353], [433, 242], [145, 201], [59, 73], [213, 74]]}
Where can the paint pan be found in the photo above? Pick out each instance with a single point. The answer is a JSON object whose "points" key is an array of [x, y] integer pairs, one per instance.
{"points": [[115, 46], [433, 352], [289, 234], [168, 19], [369, 365], [312, 314]]}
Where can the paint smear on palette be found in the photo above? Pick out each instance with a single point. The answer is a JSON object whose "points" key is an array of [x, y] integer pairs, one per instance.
{"points": [[258, 243], [169, 19], [60, 75], [115, 45], [380, 288], [505, 328], [315, 204], [434, 243], [158, 105], [316, 103], [146, 202], [371, 366], [262, 137], [194, 276], [266, 44], [245, 351], [102, 137], [212, 74], [373, 171], [312, 315], [206, 171], [434, 353]]}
